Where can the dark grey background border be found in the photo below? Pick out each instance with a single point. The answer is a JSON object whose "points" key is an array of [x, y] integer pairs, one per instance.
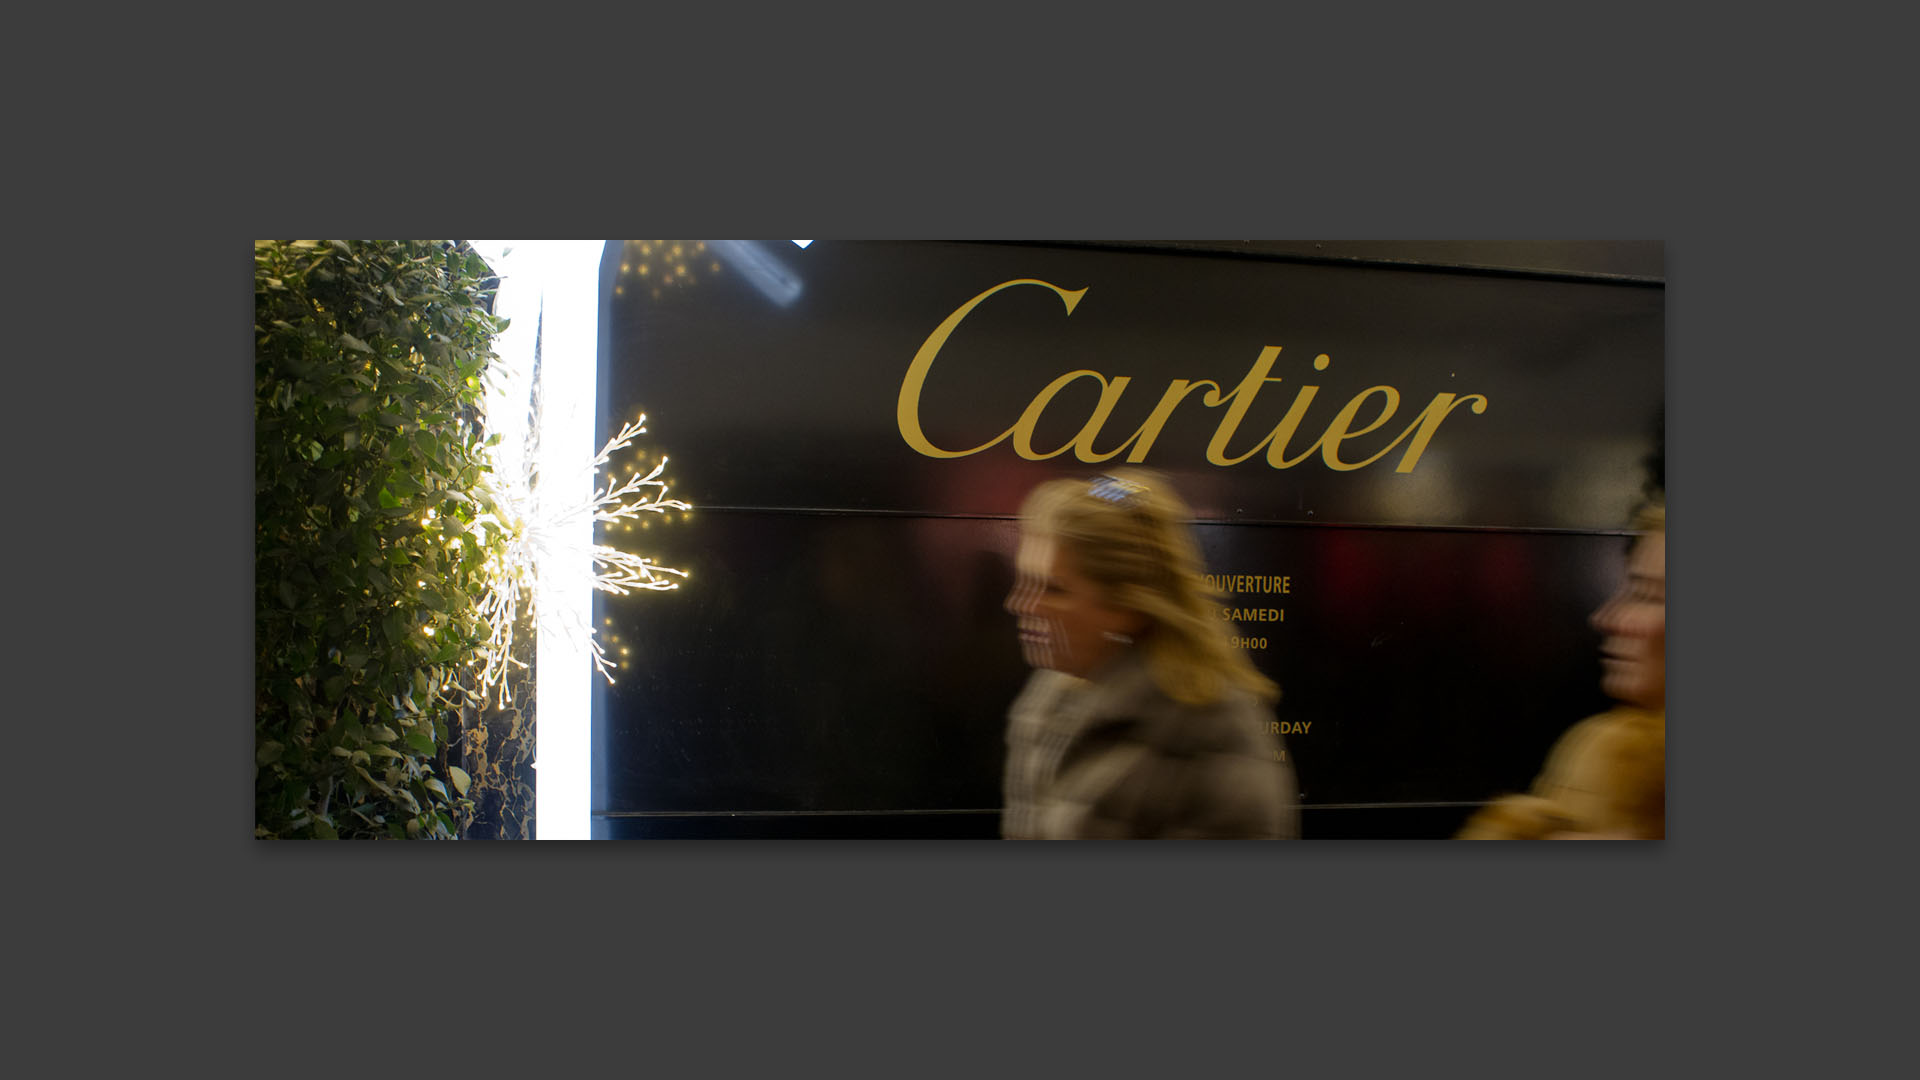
{"points": [[152, 902]]}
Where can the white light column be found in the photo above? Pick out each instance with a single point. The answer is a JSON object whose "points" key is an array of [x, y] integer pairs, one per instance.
{"points": [[550, 291], [563, 750]]}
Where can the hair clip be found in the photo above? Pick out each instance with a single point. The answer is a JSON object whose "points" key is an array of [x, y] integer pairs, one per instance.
{"points": [[1114, 490]]}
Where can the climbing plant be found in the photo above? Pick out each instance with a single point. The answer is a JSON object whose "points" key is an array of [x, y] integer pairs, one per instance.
{"points": [[374, 528]]}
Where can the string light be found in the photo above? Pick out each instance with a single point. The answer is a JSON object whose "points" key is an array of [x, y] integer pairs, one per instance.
{"points": [[675, 271], [537, 529]]}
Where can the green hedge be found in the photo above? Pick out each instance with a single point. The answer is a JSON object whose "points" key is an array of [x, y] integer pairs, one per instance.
{"points": [[369, 474]]}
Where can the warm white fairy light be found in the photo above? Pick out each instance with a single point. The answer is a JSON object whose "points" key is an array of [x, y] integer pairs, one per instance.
{"points": [[545, 530]]}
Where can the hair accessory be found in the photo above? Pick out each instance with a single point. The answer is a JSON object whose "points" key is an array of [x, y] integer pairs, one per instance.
{"points": [[1114, 490]]}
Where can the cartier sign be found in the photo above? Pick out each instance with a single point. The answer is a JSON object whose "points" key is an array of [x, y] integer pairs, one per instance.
{"points": [[1139, 444], [1408, 484]]}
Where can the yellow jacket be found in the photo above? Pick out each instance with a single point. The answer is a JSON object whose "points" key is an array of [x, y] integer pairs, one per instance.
{"points": [[1607, 776]]}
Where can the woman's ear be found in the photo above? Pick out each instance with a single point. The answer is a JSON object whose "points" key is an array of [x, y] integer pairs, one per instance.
{"points": [[1131, 623]]}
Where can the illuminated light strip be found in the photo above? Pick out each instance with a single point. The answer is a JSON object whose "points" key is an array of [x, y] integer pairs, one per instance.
{"points": [[550, 289]]}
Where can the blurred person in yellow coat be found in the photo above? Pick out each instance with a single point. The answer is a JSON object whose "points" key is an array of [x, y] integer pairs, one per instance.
{"points": [[1607, 776]]}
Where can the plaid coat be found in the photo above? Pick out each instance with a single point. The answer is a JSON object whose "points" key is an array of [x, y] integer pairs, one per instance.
{"points": [[1115, 758]]}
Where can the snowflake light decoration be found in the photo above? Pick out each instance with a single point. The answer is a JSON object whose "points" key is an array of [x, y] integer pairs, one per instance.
{"points": [[541, 527]]}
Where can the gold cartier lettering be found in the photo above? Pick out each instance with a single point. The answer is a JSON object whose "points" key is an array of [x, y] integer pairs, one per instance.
{"points": [[1177, 390], [1426, 424], [1242, 398], [1237, 401], [1081, 444], [1282, 435], [1338, 430], [907, 412], [1429, 422]]}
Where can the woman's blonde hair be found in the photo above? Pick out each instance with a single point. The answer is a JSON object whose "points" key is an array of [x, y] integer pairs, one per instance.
{"points": [[1651, 516], [1127, 532]]}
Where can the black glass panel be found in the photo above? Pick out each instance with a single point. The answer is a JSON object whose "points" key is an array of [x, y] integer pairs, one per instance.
{"points": [[840, 665]]}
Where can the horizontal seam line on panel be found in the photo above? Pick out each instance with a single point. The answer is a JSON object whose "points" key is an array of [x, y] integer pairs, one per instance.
{"points": [[777, 813], [903, 813], [1387, 805], [825, 511]]}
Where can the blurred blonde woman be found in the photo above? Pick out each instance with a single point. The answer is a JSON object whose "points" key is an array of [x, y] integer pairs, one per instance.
{"points": [[1141, 719], [1607, 777]]}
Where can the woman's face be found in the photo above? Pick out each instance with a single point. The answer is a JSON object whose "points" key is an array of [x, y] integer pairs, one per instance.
{"points": [[1633, 651], [1063, 617]]}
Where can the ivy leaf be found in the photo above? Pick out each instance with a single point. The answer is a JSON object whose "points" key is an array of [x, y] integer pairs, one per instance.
{"points": [[355, 343], [383, 733], [377, 785], [459, 777]]}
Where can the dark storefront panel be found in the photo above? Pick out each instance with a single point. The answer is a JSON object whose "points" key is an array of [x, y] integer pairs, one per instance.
{"points": [[772, 397], [859, 663], [839, 663]]}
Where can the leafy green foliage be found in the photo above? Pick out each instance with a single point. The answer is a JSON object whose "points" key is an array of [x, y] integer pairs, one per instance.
{"points": [[495, 751], [370, 474]]}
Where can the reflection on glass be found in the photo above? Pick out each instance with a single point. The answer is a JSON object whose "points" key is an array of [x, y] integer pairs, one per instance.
{"points": [[756, 264]]}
